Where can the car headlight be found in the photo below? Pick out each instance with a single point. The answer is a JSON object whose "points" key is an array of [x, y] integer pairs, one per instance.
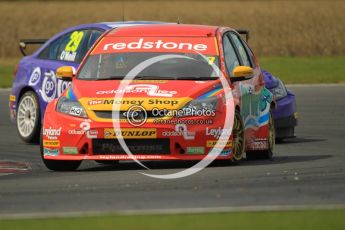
{"points": [[200, 107], [280, 91], [70, 107]]}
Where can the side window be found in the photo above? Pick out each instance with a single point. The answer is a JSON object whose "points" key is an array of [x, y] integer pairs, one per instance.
{"points": [[241, 50], [230, 57], [50, 52], [94, 35], [250, 54], [71, 46], [68, 47]]}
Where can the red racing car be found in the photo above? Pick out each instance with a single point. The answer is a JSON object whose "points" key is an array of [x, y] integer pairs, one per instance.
{"points": [[155, 92]]}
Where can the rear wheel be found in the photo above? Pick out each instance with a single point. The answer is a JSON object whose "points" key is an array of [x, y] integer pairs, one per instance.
{"points": [[59, 165], [238, 138], [29, 118], [266, 154]]}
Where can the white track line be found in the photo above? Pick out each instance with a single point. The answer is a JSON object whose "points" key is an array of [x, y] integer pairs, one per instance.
{"points": [[259, 208]]}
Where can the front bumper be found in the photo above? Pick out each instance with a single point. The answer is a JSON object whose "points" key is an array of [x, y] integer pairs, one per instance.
{"points": [[71, 138]]}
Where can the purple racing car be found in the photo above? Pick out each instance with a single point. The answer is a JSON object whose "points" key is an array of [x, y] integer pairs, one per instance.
{"points": [[35, 83], [285, 113]]}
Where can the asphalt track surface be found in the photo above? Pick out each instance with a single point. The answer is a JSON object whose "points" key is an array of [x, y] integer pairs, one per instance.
{"points": [[307, 170]]}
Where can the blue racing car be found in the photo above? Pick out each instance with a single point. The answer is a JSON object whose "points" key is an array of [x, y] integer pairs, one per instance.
{"points": [[35, 83]]}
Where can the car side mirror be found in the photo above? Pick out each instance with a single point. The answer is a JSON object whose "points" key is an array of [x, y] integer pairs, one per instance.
{"points": [[241, 73], [65, 73]]}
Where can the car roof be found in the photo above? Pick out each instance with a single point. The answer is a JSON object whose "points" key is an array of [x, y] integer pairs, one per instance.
{"points": [[129, 23], [164, 30], [110, 25]]}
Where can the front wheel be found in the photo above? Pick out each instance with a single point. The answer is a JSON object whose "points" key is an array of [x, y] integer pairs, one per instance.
{"points": [[29, 118], [238, 138]]}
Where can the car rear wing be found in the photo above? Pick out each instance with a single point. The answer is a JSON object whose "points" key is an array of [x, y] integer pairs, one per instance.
{"points": [[24, 42], [244, 32]]}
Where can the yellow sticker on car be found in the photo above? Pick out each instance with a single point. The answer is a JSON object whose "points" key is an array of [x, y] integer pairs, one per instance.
{"points": [[213, 143], [75, 40], [129, 133], [51, 143]]}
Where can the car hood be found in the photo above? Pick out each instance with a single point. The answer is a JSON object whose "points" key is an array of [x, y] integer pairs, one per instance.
{"points": [[169, 94]]}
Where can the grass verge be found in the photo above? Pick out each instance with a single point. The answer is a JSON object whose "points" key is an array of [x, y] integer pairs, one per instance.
{"points": [[6, 78], [289, 220], [301, 70], [292, 70]]}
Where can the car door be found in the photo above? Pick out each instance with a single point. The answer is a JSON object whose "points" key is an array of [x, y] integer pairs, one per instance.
{"points": [[68, 49], [248, 87], [255, 97]]}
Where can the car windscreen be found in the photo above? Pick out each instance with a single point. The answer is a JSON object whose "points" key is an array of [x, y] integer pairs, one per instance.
{"points": [[152, 58]]}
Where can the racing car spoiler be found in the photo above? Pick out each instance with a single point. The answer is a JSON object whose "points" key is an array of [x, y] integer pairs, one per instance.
{"points": [[244, 32], [24, 42]]}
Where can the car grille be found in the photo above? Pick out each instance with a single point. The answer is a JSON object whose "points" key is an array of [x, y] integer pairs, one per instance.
{"points": [[144, 146]]}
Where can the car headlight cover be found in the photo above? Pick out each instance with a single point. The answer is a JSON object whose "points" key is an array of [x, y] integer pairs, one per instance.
{"points": [[70, 107], [201, 107], [280, 91]]}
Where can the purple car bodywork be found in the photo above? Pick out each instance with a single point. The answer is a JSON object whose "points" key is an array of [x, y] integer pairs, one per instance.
{"points": [[285, 113]]}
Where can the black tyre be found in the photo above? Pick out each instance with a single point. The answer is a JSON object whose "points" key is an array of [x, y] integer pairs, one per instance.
{"points": [[238, 141], [265, 154], [58, 165], [29, 118]]}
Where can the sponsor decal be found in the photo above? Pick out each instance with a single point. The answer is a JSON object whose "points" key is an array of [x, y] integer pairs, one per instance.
{"points": [[159, 105], [96, 102], [259, 144], [91, 134], [225, 152], [213, 143], [126, 157], [76, 111], [205, 45], [51, 152], [180, 130], [76, 132], [35, 76], [185, 133], [150, 90], [129, 133], [257, 113], [195, 150], [84, 129], [12, 98], [51, 143], [52, 87], [216, 133], [70, 150], [52, 134]]}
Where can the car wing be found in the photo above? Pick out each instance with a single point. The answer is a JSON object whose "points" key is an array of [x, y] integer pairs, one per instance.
{"points": [[24, 42], [244, 32]]}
